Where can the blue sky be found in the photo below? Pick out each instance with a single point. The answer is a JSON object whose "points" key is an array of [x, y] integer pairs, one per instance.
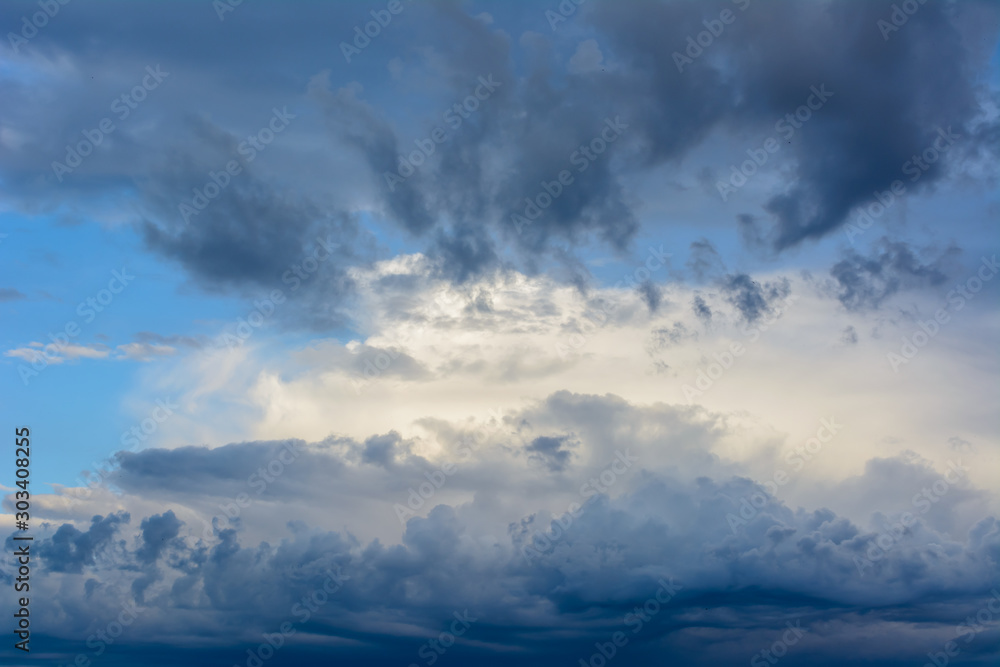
{"points": [[396, 391]]}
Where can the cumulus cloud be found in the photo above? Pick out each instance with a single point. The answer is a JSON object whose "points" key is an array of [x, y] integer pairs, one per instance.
{"points": [[648, 495]]}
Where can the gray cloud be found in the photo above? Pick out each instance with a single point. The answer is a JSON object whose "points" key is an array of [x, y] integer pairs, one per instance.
{"points": [[752, 299], [864, 283]]}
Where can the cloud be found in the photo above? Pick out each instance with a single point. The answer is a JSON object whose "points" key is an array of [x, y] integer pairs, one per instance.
{"points": [[193, 342], [554, 97], [864, 283], [701, 309], [70, 550], [651, 295], [158, 532], [57, 354], [548, 450], [752, 299], [866, 132], [11, 294], [588, 57], [705, 261], [660, 501], [144, 351]]}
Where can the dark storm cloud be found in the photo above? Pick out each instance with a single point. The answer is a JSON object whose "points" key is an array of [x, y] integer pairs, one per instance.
{"points": [[651, 295], [866, 282], [668, 530], [753, 299], [889, 98], [701, 309], [533, 121], [677, 515], [250, 233], [381, 450], [548, 450], [363, 127], [70, 550], [158, 532], [464, 252]]}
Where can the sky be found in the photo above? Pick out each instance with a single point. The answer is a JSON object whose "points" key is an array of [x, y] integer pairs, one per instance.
{"points": [[463, 333]]}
